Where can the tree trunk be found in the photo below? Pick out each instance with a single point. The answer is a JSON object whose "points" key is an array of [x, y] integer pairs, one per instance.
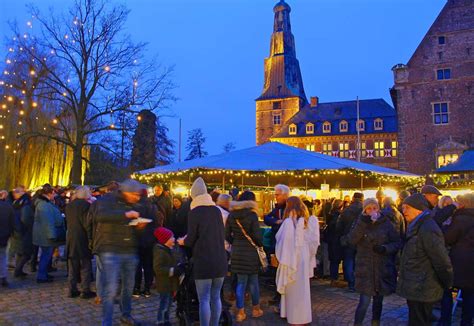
{"points": [[76, 170]]}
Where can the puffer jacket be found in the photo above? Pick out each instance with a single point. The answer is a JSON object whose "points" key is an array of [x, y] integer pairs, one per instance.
{"points": [[425, 267], [375, 273], [244, 257]]}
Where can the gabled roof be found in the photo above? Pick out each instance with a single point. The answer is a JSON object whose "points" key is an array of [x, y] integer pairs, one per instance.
{"points": [[335, 112], [463, 165]]}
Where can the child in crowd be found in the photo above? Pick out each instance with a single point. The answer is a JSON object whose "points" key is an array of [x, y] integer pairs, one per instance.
{"points": [[166, 272]]}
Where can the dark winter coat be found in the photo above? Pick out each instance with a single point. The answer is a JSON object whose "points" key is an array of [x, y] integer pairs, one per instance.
{"points": [[145, 207], [375, 273], [77, 242], [440, 215], [331, 237], [163, 202], [206, 238], [110, 230], [179, 220], [22, 240], [163, 262], [49, 226], [346, 220], [244, 257], [7, 220], [272, 218], [425, 267], [460, 236]]}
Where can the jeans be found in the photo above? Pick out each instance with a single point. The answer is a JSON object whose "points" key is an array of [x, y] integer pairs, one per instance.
{"points": [[145, 264], [164, 305], [419, 313], [348, 265], [79, 268], [210, 305], [117, 266], [45, 258], [3, 262], [99, 283], [363, 305], [467, 307], [446, 308], [242, 280]]}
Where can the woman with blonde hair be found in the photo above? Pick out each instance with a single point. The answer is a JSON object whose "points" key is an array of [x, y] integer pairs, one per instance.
{"points": [[296, 244]]}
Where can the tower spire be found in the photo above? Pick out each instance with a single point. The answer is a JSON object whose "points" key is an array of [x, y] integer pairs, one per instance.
{"points": [[282, 70]]}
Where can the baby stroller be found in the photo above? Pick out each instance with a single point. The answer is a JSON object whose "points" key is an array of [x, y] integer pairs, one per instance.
{"points": [[187, 301]]}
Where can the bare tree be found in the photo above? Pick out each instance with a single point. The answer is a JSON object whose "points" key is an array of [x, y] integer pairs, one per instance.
{"points": [[94, 74], [229, 147]]}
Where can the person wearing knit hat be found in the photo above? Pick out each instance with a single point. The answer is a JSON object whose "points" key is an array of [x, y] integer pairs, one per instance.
{"points": [[167, 272], [206, 239], [425, 267], [377, 243], [431, 194]]}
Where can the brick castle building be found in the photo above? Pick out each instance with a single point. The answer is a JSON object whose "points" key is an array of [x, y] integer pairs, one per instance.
{"points": [[432, 124], [434, 92]]}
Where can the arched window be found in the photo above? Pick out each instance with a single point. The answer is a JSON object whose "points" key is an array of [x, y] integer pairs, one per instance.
{"points": [[343, 126], [361, 125], [378, 124], [309, 128], [292, 129], [326, 127]]}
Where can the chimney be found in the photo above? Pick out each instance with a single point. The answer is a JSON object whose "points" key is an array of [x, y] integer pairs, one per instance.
{"points": [[314, 101]]}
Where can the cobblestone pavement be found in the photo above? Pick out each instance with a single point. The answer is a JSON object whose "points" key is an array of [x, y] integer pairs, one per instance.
{"points": [[28, 303]]}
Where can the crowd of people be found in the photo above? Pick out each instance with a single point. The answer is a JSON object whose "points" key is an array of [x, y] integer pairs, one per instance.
{"points": [[421, 247]]}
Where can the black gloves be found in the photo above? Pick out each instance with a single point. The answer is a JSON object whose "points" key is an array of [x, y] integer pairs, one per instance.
{"points": [[379, 249]]}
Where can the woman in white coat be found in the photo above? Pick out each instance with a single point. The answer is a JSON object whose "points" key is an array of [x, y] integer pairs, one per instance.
{"points": [[296, 244]]}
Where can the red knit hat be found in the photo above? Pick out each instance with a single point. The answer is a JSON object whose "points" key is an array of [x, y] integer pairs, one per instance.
{"points": [[163, 235]]}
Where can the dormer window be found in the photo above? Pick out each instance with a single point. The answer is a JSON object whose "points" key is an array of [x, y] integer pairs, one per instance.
{"points": [[378, 124], [326, 127], [292, 129], [361, 125], [309, 128], [343, 126]]}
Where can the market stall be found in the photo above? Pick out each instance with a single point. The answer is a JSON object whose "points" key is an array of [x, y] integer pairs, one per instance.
{"points": [[457, 178]]}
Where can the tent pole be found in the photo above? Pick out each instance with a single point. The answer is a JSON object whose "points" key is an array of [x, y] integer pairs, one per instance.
{"points": [[268, 181], [361, 182], [242, 182], [223, 183], [306, 186]]}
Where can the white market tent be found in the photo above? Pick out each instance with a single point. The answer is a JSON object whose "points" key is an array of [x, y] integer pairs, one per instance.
{"points": [[278, 163]]}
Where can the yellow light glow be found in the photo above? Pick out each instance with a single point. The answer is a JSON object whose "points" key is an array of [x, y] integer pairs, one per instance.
{"points": [[107, 68], [180, 190], [4, 106], [32, 72], [22, 112], [7, 147], [112, 126], [1, 126], [55, 121], [34, 104], [10, 99], [139, 118]]}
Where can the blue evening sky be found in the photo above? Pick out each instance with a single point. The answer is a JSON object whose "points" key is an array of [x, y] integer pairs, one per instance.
{"points": [[346, 48]]}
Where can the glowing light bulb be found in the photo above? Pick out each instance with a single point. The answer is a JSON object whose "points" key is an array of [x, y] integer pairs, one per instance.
{"points": [[34, 104], [4, 106], [9, 61], [107, 68], [66, 36], [7, 147], [3, 137], [64, 94], [28, 23], [10, 50], [139, 118], [10, 99], [32, 72], [55, 121], [112, 126], [22, 112], [1, 126]]}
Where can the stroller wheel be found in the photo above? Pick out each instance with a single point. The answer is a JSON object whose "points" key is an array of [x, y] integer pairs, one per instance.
{"points": [[226, 318]]}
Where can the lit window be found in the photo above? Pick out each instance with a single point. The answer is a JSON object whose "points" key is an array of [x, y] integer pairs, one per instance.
{"points": [[277, 119], [394, 151], [363, 149], [327, 148], [344, 150], [276, 105], [361, 125], [310, 128], [446, 159], [326, 127], [379, 148], [343, 126], [441, 40], [378, 124], [311, 147], [292, 129], [440, 113], [443, 74]]}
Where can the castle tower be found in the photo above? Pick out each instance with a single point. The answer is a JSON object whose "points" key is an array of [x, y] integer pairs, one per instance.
{"points": [[283, 93]]}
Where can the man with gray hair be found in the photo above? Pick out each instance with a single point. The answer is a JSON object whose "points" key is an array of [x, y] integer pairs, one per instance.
{"points": [[223, 203]]}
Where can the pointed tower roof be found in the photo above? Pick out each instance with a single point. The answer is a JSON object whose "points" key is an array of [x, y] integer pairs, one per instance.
{"points": [[282, 69]]}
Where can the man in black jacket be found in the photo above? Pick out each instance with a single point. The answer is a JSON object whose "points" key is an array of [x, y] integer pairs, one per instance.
{"points": [[7, 220], [163, 202], [115, 241], [439, 215], [345, 222], [425, 267]]}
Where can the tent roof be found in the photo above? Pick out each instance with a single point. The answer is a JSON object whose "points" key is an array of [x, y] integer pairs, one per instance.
{"points": [[274, 156], [464, 164]]}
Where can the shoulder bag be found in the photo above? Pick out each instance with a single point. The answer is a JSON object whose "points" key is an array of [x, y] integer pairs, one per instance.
{"points": [[262, 256]]}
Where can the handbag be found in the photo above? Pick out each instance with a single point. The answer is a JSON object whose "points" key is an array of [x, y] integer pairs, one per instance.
{"points": [[262, 256]]}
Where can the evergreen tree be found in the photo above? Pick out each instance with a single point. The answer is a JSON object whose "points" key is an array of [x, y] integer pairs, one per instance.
{"points": [[144, 141], [229, 147], [164, 145], [195, 144]]}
